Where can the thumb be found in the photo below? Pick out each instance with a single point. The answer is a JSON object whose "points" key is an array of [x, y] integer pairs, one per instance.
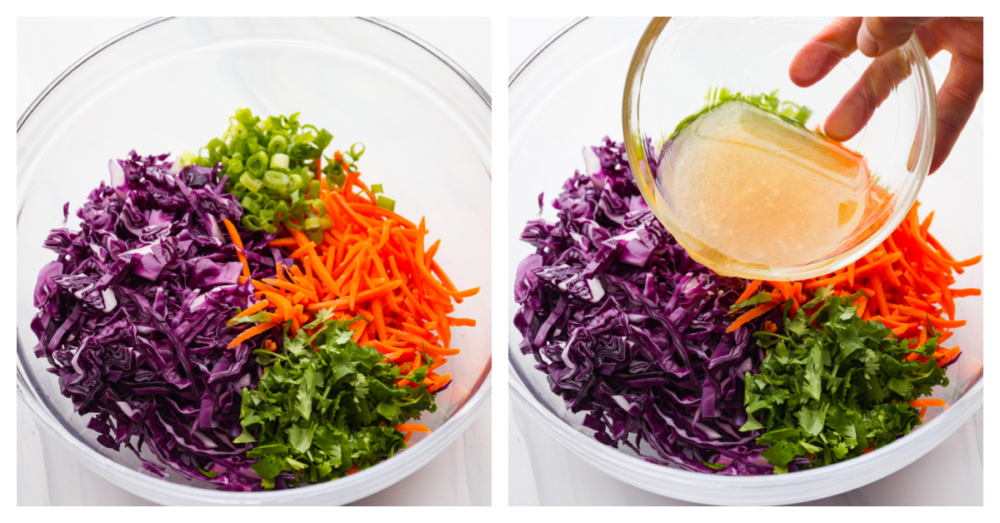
{"points": [[879, 35]]}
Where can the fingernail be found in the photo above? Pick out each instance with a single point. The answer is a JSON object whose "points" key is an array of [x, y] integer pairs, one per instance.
{"points": [[866, 42]]}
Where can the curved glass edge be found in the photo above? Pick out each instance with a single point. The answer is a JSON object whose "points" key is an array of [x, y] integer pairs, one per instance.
{"points": [[637, 157], [750, 490], [155, 489], [531, 58], [366, 482], [475, 85], [77, 64]]}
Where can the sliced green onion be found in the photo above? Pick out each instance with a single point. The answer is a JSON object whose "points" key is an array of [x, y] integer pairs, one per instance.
{"points": [[276, 181], [297, 201], [238, 189], [186, 158], [301, 151], [250, 205], [271, 169], [257, 163], [386, 203], [216, 150], [250, 182], [252, 222], [279, 161], [312, 223], [235, 166], [205, 161], [245, 117], [318, 205], [356, 155], [267, 212], [315, 236], [253, 147], [376, 188], [251, 202], [323, 139], [336, 181], [278, 144]]}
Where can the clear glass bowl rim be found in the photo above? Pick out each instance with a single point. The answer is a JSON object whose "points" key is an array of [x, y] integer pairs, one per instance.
{"points": [[746, 490], [144, 485]]}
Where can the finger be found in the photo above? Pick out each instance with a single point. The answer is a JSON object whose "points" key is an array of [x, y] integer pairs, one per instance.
{"points": [[857, 106], [929, 41], [824, 51], [879, 35], [955, 103]]}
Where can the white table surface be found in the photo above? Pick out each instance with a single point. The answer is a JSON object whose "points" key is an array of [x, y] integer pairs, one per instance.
{"points": [[47, 474], [542, 472]]}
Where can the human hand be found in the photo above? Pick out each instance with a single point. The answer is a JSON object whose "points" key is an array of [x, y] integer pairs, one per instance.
{"points": [[876, 37]]}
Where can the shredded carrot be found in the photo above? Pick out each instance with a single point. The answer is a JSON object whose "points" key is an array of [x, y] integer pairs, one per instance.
{"points": [[750, 290], [303, 250], [235, 236], [410, 427], [283, 242], [751, 315], [250, 333], [251, 310], [371, 263], [927, 402]]}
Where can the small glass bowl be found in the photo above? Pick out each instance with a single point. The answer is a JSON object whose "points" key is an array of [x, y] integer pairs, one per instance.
{"points": [[678, 60]]}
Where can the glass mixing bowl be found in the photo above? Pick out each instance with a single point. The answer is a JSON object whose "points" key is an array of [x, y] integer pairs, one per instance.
{"points": [[678, 60], [567, 96], [168, 86]]}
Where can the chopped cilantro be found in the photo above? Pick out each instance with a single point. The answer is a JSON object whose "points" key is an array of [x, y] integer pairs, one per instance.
{"points": [[832, 385], [325, 405]]}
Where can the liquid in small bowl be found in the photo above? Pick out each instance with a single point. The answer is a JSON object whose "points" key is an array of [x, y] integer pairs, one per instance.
{"points": [[749, 188]]}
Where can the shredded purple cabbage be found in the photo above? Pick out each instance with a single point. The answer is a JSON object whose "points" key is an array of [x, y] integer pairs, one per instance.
{"points": [[631, 330], [133, 318]]}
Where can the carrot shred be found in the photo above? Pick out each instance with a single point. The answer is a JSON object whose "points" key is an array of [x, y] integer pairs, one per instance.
{"points": [[371, 263], [283, 242], [235, 236], [250, 333], [750, 315], [410, 427], [927, 402], [251, 310], [750, 290], [303, 250]]}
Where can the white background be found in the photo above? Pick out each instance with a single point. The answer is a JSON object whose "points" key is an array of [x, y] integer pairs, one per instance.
{"points": [[47, 474], [542, 472]]}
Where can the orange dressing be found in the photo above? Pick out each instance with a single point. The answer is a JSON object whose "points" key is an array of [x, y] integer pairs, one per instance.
{"points": [[750, 190]]}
